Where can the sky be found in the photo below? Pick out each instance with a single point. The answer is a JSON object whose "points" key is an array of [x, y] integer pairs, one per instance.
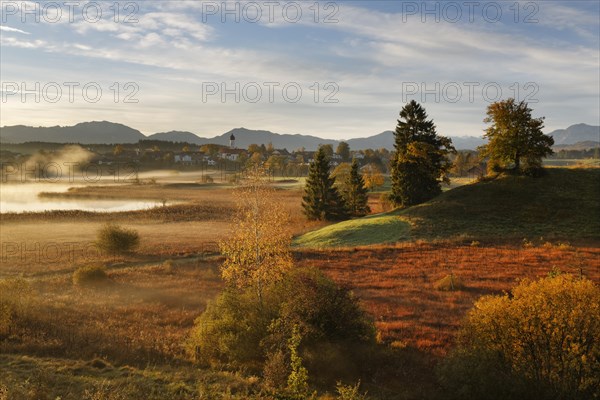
{"points": [[334, 69]]}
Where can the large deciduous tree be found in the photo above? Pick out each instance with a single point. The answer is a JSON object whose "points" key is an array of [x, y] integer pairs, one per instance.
{"points": [[321, 200], [373, 176], [420, 162], [515, 138]]}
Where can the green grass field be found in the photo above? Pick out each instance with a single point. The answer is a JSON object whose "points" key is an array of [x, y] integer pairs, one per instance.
{"points": [[564, 204], [373, 229]]}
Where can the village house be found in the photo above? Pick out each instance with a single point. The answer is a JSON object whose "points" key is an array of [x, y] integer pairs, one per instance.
{"points": [[231, 154]]}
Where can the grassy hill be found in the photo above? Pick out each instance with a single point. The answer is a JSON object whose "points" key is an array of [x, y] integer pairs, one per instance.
{"points": [[564, 205]]}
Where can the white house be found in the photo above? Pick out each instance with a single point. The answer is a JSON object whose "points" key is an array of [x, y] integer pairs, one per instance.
{"points": [[182, 159], [231, 154]]}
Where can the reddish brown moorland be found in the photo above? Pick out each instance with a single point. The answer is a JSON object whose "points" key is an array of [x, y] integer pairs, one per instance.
{"points": [[396, 282]]}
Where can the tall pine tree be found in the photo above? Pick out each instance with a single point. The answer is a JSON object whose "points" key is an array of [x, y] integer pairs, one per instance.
{"points": [[420, 161], [355, 193], [321, 200]]}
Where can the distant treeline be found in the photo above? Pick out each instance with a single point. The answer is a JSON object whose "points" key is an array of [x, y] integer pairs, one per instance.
{"points": [[576, 154]]}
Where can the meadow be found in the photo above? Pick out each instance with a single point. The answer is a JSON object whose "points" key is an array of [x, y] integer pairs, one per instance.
{"points": [[125, 338]]}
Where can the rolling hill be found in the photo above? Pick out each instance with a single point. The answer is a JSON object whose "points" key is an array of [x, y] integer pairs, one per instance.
{"points": [[563, 205]]}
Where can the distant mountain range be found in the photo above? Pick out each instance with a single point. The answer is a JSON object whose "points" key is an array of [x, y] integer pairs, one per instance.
{"points": [[575, 134], [84, 133], [105, 132]]}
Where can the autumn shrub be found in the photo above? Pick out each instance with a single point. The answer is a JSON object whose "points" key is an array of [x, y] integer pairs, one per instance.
{"points": [[16, 299], [242, 331], [449, 283], [91, 275], [114, 239], [168, 266], [541, 341], [350, 392]]}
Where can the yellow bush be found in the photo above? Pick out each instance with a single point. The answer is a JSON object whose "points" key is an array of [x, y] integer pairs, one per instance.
{"points": [[547, 333]]}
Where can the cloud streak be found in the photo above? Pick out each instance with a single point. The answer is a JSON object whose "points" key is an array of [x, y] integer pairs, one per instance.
{"points": [[4, 28]]}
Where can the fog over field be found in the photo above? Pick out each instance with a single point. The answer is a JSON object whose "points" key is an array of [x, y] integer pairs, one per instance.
{"points": [[25, 197]]}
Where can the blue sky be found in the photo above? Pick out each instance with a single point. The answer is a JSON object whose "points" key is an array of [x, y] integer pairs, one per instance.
{"points": [[361, 59]]}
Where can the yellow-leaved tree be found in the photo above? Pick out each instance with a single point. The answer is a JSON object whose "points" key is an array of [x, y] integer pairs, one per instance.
{"points": [[373, 176], [257, 251]]}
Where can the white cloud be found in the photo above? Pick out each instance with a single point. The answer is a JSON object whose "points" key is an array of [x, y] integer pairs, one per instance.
{"points": [[177, 26], [14, 30], [24, 44]]}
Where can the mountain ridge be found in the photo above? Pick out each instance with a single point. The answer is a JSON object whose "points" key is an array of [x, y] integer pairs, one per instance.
{"points": [[105, 132]]}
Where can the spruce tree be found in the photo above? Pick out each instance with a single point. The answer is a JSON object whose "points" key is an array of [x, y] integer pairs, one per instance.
{"points": [[355, 193], [321, 200], [420, 160]]}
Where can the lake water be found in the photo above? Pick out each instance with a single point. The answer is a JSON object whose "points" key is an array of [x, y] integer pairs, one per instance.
{"points": [[24, 197]]}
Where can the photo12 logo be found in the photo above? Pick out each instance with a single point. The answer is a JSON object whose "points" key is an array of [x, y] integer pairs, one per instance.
{"points": [[454, 92], [271, 92], [54, 92], [54, 12], [470, 11], [290, 12], [49, 252], [53, 172]]}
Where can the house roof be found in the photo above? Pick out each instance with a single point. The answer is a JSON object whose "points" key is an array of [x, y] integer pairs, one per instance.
{"points": [[233, 151]]}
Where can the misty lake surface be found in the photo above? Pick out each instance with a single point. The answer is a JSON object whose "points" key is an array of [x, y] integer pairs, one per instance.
{"points": [[24, 197]]}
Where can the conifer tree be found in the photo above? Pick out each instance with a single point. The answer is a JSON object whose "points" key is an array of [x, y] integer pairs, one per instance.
{"points": [[321, 200], [420, 160], [355, 193]]}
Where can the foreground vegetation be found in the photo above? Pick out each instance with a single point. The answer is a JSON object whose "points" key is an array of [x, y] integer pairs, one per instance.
{"points": [[128, 338], [135, 325]]}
